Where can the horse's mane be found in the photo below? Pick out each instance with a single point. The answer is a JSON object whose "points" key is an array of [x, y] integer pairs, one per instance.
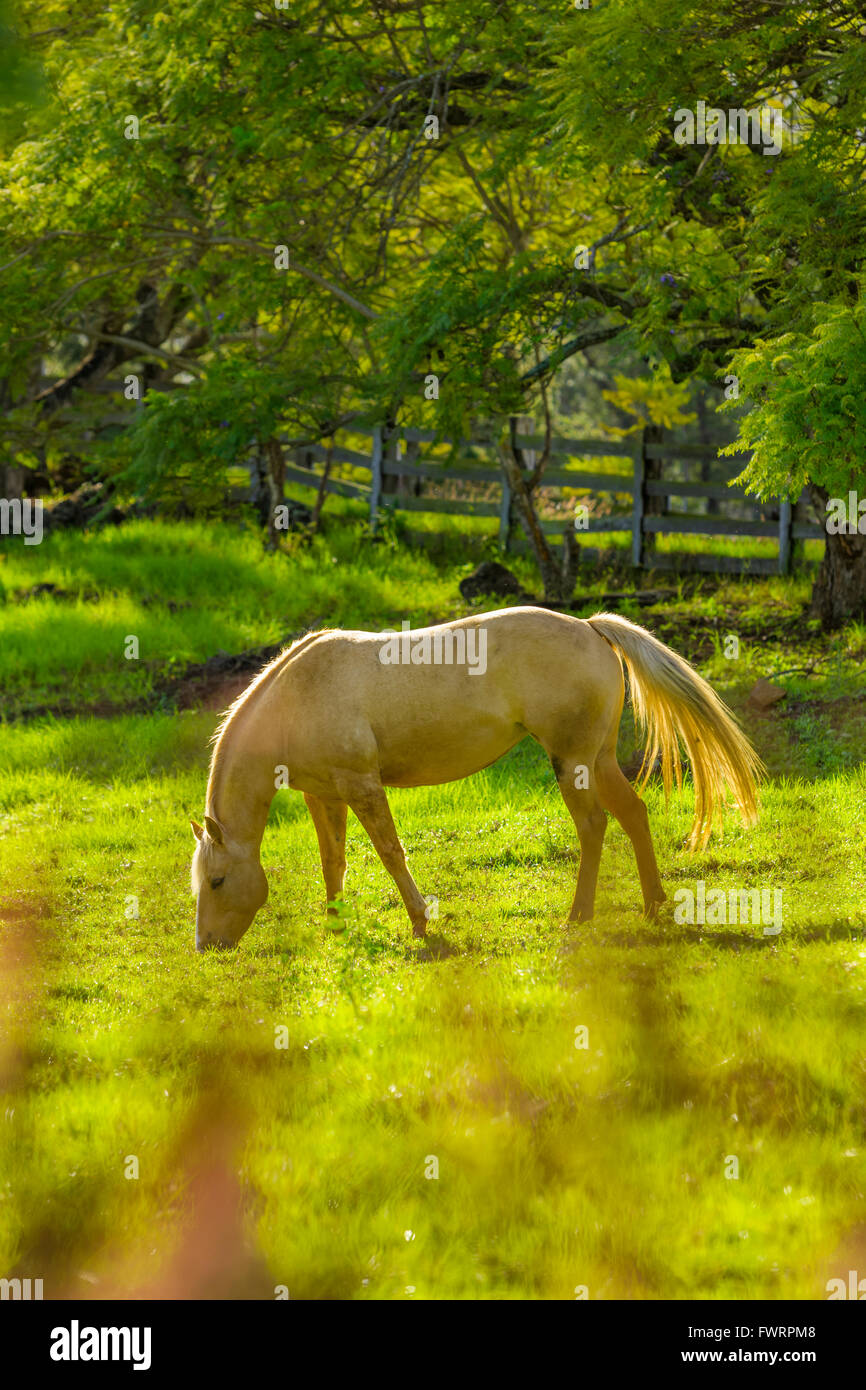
{"points": [[202, 858], [265, 676]]}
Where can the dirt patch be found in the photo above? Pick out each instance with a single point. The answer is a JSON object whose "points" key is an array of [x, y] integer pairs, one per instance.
{"points": [[214, 683], [692, 634], [55, 592], [209, 685]]}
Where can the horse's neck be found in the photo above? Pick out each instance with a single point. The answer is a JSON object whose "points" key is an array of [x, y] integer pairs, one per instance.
{"points": [[243, 780]]}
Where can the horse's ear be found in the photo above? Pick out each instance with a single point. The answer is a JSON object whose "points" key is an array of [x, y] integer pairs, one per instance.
{"points": [[197, 830], [214, 829]]}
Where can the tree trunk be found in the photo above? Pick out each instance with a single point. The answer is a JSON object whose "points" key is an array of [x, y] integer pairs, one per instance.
{"points": [[276, 478], [409, 486], [840, 589], [558, 580], [390, 445], [323, 490], [11, 482], [707, 467]]}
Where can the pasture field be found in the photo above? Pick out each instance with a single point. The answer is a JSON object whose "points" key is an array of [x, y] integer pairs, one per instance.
{"points": [[513, 1109]]}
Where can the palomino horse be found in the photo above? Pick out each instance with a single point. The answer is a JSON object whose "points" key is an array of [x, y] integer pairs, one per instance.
{"points": [[340, 716]]}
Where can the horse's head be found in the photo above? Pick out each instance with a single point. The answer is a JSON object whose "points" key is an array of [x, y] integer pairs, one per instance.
{"points": [[229, 884]]}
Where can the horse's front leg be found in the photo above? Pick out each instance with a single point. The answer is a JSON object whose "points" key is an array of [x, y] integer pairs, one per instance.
{"points": [[370, 804], [329, 818]]}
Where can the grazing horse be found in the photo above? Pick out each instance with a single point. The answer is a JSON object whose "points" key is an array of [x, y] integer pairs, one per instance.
{"points": [[340, 716]]}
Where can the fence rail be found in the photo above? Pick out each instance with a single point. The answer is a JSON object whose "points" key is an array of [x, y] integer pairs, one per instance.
{"points": [[394, 459], [395, 468]]}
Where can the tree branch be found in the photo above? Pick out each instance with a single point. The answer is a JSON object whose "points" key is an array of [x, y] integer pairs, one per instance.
{"points": [[311, 275], [584, 340]]}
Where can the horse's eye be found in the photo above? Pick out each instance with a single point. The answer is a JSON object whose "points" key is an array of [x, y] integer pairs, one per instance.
{"points": [[217, 882]]}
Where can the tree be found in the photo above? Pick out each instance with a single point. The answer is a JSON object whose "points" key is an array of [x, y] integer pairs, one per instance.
{"points": [[282, 221], [750, 263]]}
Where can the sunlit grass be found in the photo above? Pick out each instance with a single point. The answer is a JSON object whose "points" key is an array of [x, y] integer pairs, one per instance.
{"points": [[606, 1167], [558, 1166]]}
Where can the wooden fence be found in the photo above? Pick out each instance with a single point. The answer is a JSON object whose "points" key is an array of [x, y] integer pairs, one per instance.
{"points": [[397, 468], [395, 458]]}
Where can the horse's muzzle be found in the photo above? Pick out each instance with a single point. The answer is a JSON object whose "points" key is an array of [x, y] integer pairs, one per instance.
{"points": [[213, 943]]}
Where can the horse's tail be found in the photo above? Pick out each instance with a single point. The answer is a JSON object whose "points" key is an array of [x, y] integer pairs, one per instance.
{"points": [[672, 702]]}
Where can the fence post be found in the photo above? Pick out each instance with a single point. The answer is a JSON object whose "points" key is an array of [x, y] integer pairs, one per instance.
{"points": [[638, 510], [653, 469], [376, 480], [390, 459], [785, 538], [505, 515]]}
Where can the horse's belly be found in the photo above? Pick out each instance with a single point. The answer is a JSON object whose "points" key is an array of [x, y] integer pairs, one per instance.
{"points": [[421, 773], [444, 754]]}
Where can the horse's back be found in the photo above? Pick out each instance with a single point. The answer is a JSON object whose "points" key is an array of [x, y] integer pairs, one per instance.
{"points": [[434, 704], [514, 650]]}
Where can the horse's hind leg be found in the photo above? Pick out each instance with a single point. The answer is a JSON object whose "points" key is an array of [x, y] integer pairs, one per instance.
{"points": [[370, 805], [619, 797], [590, 823], [329, 818]]}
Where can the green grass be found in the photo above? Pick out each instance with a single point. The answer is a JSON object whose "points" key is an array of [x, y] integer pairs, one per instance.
{"points": [[185, 590], [559, 1167]]}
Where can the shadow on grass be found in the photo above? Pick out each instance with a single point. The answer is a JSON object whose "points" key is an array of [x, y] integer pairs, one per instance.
{"points": [[725, 940], [432, 947]]}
